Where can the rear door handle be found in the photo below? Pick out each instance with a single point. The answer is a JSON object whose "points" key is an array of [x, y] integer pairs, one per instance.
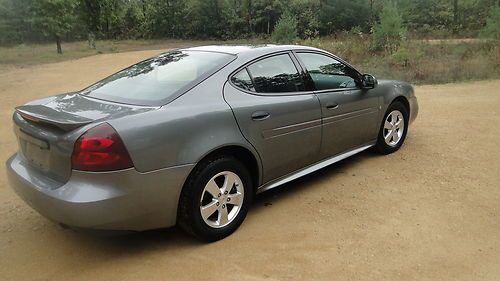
{"points": [[332, 106], [260, 115]]}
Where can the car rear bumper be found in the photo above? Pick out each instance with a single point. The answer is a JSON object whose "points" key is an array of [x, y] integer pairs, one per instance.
{"points": [[118, 200]]}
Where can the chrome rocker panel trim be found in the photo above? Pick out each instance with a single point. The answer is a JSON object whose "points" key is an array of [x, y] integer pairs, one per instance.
{"points": [[312, 168]]}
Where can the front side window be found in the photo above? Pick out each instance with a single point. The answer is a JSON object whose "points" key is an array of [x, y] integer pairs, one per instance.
{"points": [[328, 73], [153, 81], [276, 74]]}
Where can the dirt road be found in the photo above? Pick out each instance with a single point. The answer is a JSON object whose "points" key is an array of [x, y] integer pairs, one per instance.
{"points": [[428, 212]]}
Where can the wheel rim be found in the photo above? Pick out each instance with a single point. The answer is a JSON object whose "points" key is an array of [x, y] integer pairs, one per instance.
{"points": [[394, 127], [221, 199]]}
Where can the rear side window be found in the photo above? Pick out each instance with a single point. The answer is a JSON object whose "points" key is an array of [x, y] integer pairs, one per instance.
{"points": [[276, 74], [156, 80], [242, 80], [328, 73]]}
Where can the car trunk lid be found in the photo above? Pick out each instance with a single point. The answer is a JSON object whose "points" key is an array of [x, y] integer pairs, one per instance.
{"points": [[46, 131]]}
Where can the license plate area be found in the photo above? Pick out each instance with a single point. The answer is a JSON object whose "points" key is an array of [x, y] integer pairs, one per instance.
{"points": [[35, 150]]}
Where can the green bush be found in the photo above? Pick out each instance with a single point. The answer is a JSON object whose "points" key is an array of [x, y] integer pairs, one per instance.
{"points": [[389, 33], [401, 57], [285, 31]]}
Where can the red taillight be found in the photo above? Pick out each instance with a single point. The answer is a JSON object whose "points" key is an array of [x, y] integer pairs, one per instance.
{"points": [[100, 149]]}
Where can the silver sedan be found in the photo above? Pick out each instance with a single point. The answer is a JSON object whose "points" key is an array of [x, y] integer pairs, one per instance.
{"points": [[190, 136]]}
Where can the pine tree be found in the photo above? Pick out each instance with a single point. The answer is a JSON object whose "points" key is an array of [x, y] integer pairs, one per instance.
{"points": [[285, 31], [389, 33]]}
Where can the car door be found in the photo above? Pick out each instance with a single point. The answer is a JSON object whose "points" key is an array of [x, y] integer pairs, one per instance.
{"points": [[275, 114], [349, 113]]}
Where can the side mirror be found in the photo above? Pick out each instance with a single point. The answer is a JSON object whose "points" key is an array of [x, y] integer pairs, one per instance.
{"points": [[368, 81]]}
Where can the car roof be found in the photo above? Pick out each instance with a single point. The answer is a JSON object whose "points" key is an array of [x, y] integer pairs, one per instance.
{"points": [[248, 49]]}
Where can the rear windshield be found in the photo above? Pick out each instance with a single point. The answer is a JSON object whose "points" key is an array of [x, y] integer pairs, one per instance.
{"points": [[157, 80]]}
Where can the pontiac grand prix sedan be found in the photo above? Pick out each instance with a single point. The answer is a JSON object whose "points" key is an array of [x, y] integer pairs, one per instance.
{"points": [[190, 136]]}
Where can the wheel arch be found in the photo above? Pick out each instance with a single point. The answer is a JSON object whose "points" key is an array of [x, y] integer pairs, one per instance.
{"points": [[402, 99], [246, 156]]}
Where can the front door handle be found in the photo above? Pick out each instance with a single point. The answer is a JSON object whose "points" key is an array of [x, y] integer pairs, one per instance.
{"points": [[260, 115], [332, 105]]}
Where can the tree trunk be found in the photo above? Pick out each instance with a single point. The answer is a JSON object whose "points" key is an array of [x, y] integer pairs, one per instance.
{"points": [[371, 11], [58, 43], [107, 27], [144, 8], [249, 16], [455, 16]]}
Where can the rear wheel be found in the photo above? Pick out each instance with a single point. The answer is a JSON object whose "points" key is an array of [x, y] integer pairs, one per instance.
{"points": [[393, 130], [215, 198]]}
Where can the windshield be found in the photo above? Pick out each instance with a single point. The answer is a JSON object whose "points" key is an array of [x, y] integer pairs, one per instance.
{"points": [[157, 80]]}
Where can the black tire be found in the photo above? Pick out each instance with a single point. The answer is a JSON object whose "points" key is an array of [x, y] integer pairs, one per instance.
{"points": [[189, 216], [382, 147]]}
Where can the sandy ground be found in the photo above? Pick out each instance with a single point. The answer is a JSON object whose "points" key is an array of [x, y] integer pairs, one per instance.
{"points": [[429, 212]]}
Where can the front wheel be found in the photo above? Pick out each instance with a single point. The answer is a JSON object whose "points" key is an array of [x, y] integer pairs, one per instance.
{"points": [[215, 198], [393, 130]]}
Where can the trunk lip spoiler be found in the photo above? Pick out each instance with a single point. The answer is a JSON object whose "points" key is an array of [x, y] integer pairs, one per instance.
{"points": [[66, 121]]}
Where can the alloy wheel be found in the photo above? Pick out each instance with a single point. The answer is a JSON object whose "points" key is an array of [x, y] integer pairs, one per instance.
{"points": [[221, 199], [394, 128]]}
